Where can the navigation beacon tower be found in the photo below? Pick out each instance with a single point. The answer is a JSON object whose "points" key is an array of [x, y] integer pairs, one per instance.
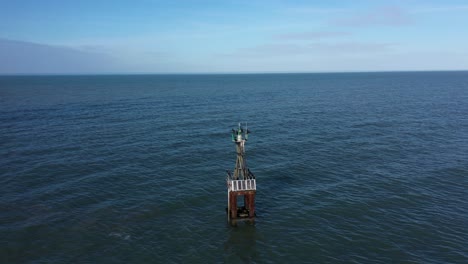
{"points": [[241, 182]]}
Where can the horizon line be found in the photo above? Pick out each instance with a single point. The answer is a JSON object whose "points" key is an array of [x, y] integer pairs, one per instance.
{"points": [[220, 73]]}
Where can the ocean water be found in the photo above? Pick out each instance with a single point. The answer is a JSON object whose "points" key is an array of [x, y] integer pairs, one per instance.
{"points": [[350, 167]]}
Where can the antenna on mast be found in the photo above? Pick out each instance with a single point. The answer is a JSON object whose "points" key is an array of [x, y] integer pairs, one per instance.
{"points": [[246, 131]]}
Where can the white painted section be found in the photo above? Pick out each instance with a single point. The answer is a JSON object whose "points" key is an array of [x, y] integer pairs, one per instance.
{"points": [[242, 185]]}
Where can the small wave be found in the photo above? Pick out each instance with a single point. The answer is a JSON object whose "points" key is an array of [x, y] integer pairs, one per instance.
{"points": [[123, 236]]}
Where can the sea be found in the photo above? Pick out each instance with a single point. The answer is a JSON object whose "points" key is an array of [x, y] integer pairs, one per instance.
{"points": [[350, 168]]}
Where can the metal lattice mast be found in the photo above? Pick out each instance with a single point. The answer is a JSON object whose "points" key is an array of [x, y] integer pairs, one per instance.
{"points": [[241, 169]]}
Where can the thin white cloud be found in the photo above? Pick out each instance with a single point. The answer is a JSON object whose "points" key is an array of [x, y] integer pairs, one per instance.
{"points": [[315, 35], [272, 50], [316, 49], [438, 9], [352, 47], [316, 10], [384, 16]]}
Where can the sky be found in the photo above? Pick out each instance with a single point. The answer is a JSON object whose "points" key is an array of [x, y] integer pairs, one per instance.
{"points": [[151, 36]]}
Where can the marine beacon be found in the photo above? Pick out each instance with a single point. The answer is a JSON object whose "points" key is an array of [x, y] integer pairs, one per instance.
{"points": [[241, 182]]}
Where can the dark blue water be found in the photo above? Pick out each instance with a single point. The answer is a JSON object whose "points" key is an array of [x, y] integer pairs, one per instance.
{"points": [[355, 168]]}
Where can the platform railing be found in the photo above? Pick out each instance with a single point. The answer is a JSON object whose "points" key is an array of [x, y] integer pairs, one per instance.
{"points": [[242, 185]]}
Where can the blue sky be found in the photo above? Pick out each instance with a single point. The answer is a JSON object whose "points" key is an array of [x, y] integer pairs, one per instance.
{"points": [[151, 36]]}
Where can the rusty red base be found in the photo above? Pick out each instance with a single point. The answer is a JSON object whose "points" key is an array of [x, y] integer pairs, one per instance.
{"points": [[246, 211]]}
